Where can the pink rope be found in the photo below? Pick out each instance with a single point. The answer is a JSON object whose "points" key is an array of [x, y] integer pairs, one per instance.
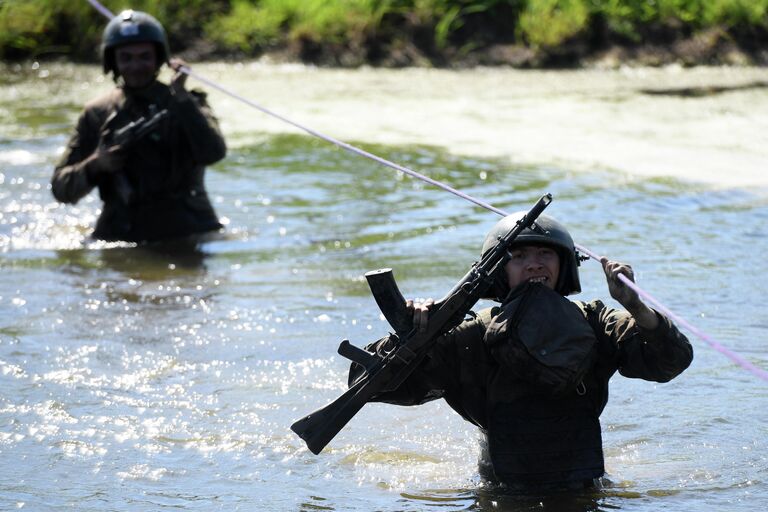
{"points": [[733, 356], [103, 10], [758, 372]]}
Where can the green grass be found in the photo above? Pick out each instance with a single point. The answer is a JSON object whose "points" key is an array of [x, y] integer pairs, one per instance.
{"points": [[268, 23], [550, 22], [29, 28]]}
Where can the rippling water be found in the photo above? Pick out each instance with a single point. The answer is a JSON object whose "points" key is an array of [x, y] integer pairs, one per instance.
{"points": [[138, 379]]}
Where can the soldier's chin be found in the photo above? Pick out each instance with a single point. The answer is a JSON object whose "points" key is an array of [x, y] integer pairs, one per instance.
{"points": [[137, 82]]}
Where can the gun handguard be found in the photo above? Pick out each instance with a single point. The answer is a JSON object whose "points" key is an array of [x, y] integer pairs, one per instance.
{"points": [[136, 130], [387, 372]]}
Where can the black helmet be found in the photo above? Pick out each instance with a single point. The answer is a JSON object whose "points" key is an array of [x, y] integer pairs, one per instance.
{"points": [[132, 27], [547, 231]]}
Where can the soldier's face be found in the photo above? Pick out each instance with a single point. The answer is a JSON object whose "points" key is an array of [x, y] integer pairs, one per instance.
{"points": [[136, 63], [536, 263]]}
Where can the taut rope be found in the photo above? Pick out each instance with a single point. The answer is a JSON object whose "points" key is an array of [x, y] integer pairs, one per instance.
{"points": [[736, 358]]}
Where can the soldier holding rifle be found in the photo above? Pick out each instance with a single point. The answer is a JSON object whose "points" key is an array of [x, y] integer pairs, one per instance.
{"points": [[532, 373], [144, 144]]}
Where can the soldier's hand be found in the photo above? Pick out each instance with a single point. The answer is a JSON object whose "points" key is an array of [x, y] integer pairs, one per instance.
{"points": [[107, 159], [625, 295], [420, 312], [179, 79]]}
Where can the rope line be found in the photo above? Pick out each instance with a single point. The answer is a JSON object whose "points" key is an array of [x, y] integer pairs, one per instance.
{"points": [[736, 358], [733, 356]]}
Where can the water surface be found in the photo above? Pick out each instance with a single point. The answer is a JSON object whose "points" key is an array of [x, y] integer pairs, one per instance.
{"points": [[137, 379]]}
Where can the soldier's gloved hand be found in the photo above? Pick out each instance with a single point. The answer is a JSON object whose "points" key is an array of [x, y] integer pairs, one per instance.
{"points": [[625, 295], [105, 160], [179, 79], [420, 311]]}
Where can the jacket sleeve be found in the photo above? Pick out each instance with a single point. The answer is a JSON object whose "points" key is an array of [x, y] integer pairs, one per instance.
{"points": [[439, 374], [71, 179], [200, 127], [657, 355]]}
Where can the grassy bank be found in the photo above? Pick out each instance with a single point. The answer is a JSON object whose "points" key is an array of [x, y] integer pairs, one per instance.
{"points": [[524, 33]]}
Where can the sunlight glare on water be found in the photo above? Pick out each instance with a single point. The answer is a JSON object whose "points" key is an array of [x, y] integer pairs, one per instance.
{"points": [[143, 378]]}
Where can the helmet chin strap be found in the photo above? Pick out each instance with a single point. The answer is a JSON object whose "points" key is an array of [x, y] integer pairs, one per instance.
{"points": [[758, 372]]}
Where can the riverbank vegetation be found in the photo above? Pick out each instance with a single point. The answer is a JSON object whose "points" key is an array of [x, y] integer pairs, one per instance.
{"points": [[521, 33]]}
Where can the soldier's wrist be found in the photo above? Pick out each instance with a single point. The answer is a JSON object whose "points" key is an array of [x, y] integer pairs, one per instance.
{"points": [[644, 316], [92, 170]]}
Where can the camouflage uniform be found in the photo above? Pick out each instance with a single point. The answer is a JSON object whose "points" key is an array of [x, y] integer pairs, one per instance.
{"points": [[532, 439], [164, 171]]}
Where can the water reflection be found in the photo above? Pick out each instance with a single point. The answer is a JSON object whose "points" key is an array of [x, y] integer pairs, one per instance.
{"points": [[181, 368], [498, 501], [156, 262], [493, 498], [135, 289], [608, 496]]}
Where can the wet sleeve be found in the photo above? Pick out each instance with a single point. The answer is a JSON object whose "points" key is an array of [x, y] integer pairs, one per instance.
{"points": [[72, 177], [438, 373], [201, 128], [657, 355]]}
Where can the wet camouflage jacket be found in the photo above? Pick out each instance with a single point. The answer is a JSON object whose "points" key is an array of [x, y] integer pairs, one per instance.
{"points": [[160, 194], [460, 369]]}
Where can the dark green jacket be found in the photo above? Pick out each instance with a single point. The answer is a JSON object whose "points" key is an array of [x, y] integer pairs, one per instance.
{"points": [[164, 171], [461, 370]]}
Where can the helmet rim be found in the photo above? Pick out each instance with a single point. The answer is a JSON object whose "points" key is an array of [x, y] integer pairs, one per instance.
{"points": [[546, 230], [128, 27]]}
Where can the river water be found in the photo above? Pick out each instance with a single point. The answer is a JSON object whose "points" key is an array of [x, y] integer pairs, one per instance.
{"points": [[145, 380]]}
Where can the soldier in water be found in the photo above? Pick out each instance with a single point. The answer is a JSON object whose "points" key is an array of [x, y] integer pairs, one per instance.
{"points": [[144, 144], [533, 372]]}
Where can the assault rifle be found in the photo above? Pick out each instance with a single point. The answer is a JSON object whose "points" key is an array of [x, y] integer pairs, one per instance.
{"points": [[126, 137], [386, 372], [134, 131]]}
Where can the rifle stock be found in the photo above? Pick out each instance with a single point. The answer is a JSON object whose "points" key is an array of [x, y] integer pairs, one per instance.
{"points": [[319, 427], [388, 371]]}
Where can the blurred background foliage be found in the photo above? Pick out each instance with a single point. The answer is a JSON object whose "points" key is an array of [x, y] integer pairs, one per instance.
{"points": [[369, 30]]}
